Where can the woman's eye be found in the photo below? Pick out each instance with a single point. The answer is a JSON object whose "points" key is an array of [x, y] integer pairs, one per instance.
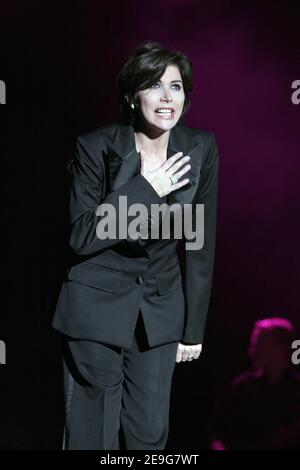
{"points": [[176, 85]]}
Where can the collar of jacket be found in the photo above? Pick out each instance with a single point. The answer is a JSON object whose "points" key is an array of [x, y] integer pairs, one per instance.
{"points": [[124, 159]]}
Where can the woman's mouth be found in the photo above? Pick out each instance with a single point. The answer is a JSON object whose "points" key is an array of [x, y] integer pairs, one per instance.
{"points": [[165, 113]]}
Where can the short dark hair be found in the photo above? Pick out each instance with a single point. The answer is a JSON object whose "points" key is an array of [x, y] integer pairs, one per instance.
{"points": [[143, 68], [278, 328]]}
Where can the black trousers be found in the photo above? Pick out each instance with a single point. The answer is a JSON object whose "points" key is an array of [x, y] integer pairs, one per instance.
{"points": [[117, 398]]}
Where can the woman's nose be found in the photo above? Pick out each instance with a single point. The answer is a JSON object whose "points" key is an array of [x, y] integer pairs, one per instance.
{"points": [[166, 96]]}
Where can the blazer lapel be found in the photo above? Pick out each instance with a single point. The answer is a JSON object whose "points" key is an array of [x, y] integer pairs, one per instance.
{"points": [[180, 142], [123, 157], [124, 162]]}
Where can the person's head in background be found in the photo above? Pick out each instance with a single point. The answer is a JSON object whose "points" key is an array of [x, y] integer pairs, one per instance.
{"points": [[270, 346], [150, 79]]}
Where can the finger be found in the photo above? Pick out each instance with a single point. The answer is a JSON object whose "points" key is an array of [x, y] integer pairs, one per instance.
{"points": [[179, 184], [181, 172], [185, 355], [182, 357], [197, 354], [179, 358], [170, 161], [178, 355], [178, 164]]}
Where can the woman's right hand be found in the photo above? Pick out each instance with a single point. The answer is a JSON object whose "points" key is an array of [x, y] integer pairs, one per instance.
{"points": [[160, 178]]}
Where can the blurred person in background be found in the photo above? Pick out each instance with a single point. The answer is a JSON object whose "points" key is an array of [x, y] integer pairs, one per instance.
{"points": [[260, 409]]}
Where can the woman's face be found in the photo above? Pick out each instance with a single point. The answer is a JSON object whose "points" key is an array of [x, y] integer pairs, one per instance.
{"points": [[161, 105]]}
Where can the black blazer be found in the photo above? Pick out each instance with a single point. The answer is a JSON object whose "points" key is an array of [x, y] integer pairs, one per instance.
{"points": [[111, 280]]}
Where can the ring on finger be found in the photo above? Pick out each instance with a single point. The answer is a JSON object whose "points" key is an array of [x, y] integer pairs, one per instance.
{"points": [[173, 179]]}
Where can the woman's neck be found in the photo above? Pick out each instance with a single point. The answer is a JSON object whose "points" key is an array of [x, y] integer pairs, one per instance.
{"points": [[156, 148], [153, 141]]}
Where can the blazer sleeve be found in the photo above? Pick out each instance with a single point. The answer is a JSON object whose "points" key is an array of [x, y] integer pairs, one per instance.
{"points": [[199, 263], [88, 182]]}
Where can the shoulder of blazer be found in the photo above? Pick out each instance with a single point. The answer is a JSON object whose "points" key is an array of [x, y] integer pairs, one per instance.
{"points": [[196, 133], [98, 138], [198, 136]]}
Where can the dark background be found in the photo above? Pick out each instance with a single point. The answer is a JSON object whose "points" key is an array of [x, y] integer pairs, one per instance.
{"points": [[59, 62]]}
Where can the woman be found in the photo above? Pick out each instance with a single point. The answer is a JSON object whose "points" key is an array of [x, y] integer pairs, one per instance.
{"points": [[124, 310]]}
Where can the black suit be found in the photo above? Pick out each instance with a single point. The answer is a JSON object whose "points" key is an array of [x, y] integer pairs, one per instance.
{"points": [[111, 281], [107, 274]]}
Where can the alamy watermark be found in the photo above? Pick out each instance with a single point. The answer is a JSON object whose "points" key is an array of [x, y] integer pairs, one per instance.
{"points": [[144, 223], [2, 92], [2, 352], [296, 354], [296, 94]]}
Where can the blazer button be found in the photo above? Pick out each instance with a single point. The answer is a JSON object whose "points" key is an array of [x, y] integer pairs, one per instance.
{"points": [[139, 280]]}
